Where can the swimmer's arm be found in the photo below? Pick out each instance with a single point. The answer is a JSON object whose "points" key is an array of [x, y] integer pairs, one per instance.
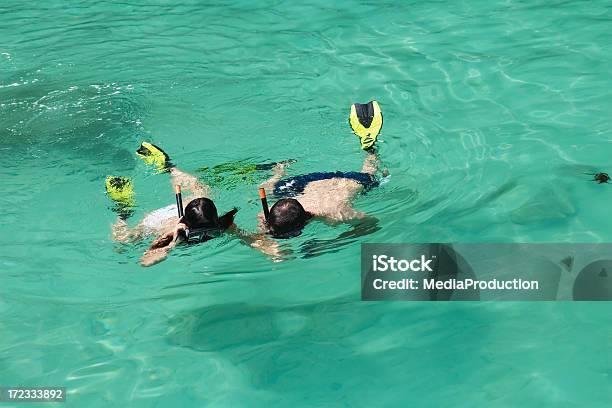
{"points": [[361, 226], [260, 242], [161, 246]]}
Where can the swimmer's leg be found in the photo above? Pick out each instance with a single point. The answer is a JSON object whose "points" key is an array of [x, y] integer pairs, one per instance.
{"points": [[370, 166], [121, 190], [366, 122], [189, 182], [371, 163], [121, 232], [278, 172], [156, 156]]}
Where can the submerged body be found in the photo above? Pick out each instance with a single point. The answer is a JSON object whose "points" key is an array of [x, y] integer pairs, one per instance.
{"points": [[326, 196], [330, 198]]}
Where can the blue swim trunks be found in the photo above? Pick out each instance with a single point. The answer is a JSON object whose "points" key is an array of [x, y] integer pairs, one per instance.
{"points": [[293, 186]]}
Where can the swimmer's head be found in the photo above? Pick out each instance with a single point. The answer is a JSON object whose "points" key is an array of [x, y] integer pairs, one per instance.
{"points": [[287, 218], [201, 213]]}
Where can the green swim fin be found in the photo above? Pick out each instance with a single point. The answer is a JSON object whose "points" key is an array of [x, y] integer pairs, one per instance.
{"points": [[366, 120], [121, 191], [154, 155]]}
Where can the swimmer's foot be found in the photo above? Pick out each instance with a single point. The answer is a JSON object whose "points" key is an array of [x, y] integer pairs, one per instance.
{"points": [[366, 121], [154, 155], [270, 166], [121, 191]]}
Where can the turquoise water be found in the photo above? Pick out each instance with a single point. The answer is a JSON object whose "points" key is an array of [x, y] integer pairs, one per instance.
{"points": [[493, 113]]}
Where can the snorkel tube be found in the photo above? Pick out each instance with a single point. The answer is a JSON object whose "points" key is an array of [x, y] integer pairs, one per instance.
{"points": [[181, 212], [179, 201], [264, 203]]}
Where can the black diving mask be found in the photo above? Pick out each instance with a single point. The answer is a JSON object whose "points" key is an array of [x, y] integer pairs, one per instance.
{"points": [[288, 234], [197, 235]]}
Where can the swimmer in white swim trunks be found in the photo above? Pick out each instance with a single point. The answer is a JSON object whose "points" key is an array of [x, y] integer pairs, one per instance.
{"points": [[199, 223]]}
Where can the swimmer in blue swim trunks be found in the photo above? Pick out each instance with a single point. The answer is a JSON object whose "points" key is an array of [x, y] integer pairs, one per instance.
{"points": [[327, 196], [199, 223]]}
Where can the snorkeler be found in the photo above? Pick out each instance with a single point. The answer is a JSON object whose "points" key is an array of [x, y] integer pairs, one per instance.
{"points": [[326, 196], [197, 222]]}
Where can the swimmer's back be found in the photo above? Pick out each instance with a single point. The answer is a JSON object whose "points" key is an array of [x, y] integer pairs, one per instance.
{"points": [[331, 199], [296, 185], [158, 219]]}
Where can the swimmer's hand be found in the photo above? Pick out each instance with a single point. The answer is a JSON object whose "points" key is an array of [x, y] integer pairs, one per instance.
{"points": [[180, 233], [270, 248], [158, 251], [154, 256], [261, 242]]}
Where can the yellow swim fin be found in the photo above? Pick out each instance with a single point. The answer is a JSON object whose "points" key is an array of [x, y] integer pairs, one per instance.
{"points": [[121, 191], [366, 120], [154, 155]]}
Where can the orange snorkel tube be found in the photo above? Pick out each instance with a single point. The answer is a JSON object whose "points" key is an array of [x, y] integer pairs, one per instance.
{"points": [[264, 203]]}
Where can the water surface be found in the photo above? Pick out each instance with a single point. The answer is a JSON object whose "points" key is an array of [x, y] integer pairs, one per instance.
{"points": [[493, 113]]}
